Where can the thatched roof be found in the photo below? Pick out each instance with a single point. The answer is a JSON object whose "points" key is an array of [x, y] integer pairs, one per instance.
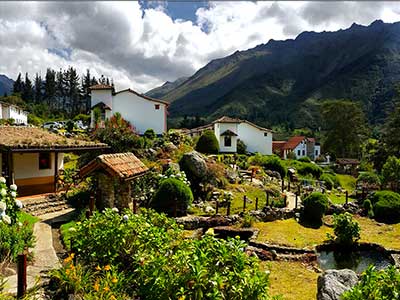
{"points": [[126, 166], [32, 138]]}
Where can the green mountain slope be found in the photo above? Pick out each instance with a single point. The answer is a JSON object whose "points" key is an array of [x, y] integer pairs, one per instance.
{"points": [[285, 81]]}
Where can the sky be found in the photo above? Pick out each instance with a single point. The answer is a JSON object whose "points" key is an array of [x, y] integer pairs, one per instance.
{"points": [[143, 44]]}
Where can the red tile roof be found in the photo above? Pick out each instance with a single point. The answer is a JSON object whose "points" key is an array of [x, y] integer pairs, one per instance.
{"points": [[101, 87], [278, 145], [293, 142], [126, 166]]}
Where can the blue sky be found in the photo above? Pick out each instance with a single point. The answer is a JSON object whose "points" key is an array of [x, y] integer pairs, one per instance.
{"points": [[185, 10]]}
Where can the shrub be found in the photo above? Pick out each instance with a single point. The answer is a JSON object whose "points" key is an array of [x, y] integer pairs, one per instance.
{"points": [[150, 134], [248, 220], [172, 194], [14, 239], [347, 230], [368, 208], [370, 178], [310, 169], [376, 285], [272, 162], [386, 206], [208, 143], [329, 180], [150, 259], [305, 159], [241, 147], [315, 206]]}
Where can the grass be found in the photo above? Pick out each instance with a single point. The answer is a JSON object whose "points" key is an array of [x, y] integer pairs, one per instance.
{"points": [[347, 182], [65, 233], [341, 199], [25, 217], [291, 280], [291, 233]]}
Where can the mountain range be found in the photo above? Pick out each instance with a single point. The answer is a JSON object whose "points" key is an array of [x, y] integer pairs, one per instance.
{"points": [[6, 85], [284, 82]]}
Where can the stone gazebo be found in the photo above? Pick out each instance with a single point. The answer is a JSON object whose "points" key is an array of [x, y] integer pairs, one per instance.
{"points": [[113, 173]]}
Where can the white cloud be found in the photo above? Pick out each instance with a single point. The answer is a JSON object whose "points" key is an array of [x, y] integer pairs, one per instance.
{"points": [[142, 51]]}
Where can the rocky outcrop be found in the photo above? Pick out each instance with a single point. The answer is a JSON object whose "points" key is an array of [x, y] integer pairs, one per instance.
{"points": [[333, 283], [350, 207], [194, 164], [194, 222]]}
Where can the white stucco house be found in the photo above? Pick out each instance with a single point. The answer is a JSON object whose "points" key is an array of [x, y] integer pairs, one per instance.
{"points": [[229, 130], [300, 146], [141, 111], [10, 111]]}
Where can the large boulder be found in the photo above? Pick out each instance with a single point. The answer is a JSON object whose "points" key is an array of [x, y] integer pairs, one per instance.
{"points": [[333, 283], [193, 164]]}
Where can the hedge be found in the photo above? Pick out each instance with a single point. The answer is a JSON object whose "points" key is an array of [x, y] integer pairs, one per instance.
{"points": [[386, 206], [208, 143]]}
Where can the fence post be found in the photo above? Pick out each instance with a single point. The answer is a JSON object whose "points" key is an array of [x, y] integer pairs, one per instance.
{"points": [[267, 198], [244, 203], [285, 200], [21, 288], [295, 205], [256, 203], [228, 209], [289, 185], [347, 196], [91, 204], [216, 207], [283, 185]]}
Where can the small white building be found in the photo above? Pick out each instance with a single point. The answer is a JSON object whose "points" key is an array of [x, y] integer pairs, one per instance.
{"points": [[300, 146], [11, 111], [229, 130], [141, 111]]}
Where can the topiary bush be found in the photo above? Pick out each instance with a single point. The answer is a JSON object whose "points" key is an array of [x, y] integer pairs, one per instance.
{"points": [[172, 194], [241, 147], [386, 206], [208, 143], [369, 178], [315, 206], [310, 169]]}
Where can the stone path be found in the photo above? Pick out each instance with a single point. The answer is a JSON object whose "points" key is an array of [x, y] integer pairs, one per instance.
{"points": [[45, 257]]}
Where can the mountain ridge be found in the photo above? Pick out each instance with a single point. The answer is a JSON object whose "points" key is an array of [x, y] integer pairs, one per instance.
{"points": [[6, 85]]}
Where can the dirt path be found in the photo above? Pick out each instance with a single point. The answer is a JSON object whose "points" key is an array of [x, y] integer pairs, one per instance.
{"points": [[45, 257]]}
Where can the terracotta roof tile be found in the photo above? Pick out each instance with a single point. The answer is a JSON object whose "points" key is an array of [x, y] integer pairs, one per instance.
{"points": [[293, 142], [101, 87], [123, 165], [278, 145]]}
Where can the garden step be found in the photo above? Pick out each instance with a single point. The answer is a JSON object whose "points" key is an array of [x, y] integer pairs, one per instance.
{"points": [[34, 202], [49, 210], [44, 205]]}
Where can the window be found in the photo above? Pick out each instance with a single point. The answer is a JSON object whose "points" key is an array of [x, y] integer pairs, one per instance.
{"points": [[157, 106], [227, 141], [265, 133], [316, 152], [44, 160], [298, 152], [304, 152]]}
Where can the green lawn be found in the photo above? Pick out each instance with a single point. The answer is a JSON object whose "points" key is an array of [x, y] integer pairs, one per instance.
{"points": [[291, 280], [338, 198], [347, 182], [291, 233]]}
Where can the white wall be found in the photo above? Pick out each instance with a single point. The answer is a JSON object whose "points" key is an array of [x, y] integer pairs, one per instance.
{"points": [[19, 116], [255, 139], [302, 147], [221, 128], [26, 165], [140, 112], [5, 112], [317, 151], [104, 96]]}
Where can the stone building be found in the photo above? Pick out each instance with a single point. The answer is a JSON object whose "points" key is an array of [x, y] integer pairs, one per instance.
{"points": [[113, 174]]}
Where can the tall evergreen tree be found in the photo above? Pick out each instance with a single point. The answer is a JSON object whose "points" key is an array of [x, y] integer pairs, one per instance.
{"points": [[27, 90], [38, 89], [72, 91], [18, 84], [86, 83], [60, 89], [50, 88]]}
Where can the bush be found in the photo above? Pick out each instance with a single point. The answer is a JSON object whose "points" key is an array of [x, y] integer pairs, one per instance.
{"points": [[241, 147], [369, 178], [386, 206], [146, 256], [310, 168], [368, 208], [315, 206], [208, 143], [347, 230], [14, 239], [305, 159], [329, 179], [172, 194], [272, 162], [150, 134], [376, 285]]}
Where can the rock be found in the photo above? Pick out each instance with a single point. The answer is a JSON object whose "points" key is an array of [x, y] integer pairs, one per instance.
{"points": [[193, 163], [231, 175], [273, 174], [333, 283], [209, 210], [170, 147], [171, 165]]}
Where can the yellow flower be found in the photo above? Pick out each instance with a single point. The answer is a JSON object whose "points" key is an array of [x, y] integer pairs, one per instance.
{"points": [[106, 288], [112, 297], [98, 268], [182, 297], [107, 268], [114, 280], [96, 286], [67, 271]]}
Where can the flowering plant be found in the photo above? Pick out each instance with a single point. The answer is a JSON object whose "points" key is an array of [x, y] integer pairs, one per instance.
{"points": [[9, 205], [172, 173]]}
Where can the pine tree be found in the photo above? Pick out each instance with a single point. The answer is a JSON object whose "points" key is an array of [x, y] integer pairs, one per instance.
{"points": [[38, 89], [60, 89], [27, 91], [18, 85], [50, 88], [72, 90], [86, 83]]}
